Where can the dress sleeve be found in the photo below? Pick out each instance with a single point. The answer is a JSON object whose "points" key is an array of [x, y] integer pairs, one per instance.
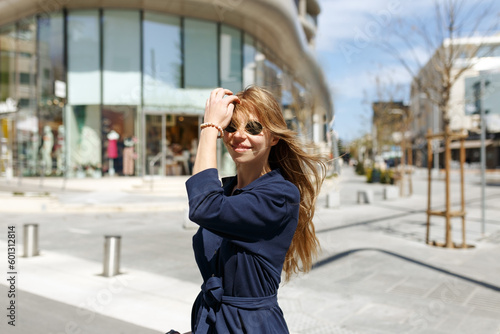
{"points": [[253, 215]]}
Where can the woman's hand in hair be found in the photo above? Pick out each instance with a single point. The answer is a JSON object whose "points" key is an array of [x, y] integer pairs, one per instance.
{"points": [[219, 107]]}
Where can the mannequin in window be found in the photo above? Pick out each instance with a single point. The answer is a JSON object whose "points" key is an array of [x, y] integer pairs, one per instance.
{"points": [[129, 156], [60, 150], [46, 149], [112, 150], [32, 151]]}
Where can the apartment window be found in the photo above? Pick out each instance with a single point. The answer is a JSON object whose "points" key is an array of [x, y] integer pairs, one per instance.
{"points": [[24, 78]]}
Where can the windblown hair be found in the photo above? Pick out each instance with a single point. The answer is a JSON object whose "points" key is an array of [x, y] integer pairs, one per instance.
{"points": [[306, 171]]}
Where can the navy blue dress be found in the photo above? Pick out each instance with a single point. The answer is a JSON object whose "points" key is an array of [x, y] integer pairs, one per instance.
{"points": [[240, 248]]}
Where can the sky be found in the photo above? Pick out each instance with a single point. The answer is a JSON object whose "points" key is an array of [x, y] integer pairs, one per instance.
{"points": [[347, 49]]}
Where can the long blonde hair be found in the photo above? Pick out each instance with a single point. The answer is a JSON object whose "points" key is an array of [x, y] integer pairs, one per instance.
{"points": [[306, 171]]}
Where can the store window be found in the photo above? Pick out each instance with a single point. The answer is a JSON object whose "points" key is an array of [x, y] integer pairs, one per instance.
{"points": [[286, 88], [260, 59], [118, 132], [121, 52], [249, 64], [287, 102], [200, 50], [162, 59], [7, 91], [84, 75], [299, 108], [82, 143], [268, 73], [230, 64], [81, 139], [273, 77], [51, 50], [27, 135], [230, 58], [8, 38], [51, 97]]}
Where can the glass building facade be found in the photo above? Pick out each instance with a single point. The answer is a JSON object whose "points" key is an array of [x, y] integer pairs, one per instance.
{"points": [[93, 92]]}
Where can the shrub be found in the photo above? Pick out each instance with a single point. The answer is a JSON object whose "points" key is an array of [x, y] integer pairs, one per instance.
{"points": [[360, 169], [387, 177], [369, 172]]}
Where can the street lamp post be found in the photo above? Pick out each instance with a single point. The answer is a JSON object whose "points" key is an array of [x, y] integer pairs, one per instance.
{"points": [[483, 160]]}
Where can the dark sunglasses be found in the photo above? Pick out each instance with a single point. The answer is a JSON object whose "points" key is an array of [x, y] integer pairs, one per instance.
{"points": [[253, 127]]}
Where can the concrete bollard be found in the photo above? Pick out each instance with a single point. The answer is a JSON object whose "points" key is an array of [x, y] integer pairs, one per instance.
{"points": [[112, 245], [365, 196], [30, 240], [333, 199], [391, 192]]}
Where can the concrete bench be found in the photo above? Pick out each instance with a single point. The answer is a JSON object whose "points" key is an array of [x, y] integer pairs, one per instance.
{"points": [[365, 196]]}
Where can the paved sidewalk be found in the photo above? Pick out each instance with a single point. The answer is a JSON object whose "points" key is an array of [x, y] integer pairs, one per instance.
{"points": [[374, 275]]}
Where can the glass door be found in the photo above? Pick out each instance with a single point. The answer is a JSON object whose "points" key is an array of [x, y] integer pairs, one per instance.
{"points": [[170, 143], [182, 138]]}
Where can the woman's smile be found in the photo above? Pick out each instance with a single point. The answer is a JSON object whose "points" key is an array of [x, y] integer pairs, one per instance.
{"points": [[240, 147]]}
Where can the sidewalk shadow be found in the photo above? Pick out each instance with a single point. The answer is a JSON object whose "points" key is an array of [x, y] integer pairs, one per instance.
{"points": [[375, 220], [339, 256], [405, 212]]}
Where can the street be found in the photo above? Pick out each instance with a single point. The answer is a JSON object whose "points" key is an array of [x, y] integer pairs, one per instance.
{"points": [[375, 274]]}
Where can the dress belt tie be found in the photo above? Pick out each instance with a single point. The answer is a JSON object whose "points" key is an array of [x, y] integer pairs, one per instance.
{"points": [[213, 297]]}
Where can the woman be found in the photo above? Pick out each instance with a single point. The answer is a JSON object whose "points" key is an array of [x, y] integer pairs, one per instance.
{"points": [[259, 223]]}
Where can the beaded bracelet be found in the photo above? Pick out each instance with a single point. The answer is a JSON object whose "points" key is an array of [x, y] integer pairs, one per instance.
{"points": [[219, 129]]}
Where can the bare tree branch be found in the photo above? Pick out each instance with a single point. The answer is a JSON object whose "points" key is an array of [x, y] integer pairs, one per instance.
{"points": [[445, 40]]}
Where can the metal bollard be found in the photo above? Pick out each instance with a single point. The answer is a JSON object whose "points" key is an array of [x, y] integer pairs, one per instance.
{"points": [[30, 240], [112, 245]]}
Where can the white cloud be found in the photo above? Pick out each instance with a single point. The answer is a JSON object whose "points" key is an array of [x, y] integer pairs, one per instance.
{"points": [[353, 85], [356, 19], [421, 54]]}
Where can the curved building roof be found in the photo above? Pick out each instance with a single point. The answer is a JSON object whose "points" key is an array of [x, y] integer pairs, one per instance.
{"points": [[274, 22]]}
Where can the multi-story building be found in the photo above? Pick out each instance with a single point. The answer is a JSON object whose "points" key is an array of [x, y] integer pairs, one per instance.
{"points": [[389, 125], [481, 57], [104, 85]]}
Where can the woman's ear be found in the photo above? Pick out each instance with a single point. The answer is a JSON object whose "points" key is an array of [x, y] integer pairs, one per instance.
{"points": [[274, 140]]}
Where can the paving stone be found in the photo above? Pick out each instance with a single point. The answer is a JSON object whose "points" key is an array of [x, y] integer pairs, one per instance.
{"points": [[375, 274]]}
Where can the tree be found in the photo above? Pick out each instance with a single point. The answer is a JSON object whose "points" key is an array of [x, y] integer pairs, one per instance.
{"points": [[361, 148], [446, 42], [451, 43], [391, 127]]}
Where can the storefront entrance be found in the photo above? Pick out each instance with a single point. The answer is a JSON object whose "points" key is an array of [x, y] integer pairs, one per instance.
{"points": [[170, 143]]}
